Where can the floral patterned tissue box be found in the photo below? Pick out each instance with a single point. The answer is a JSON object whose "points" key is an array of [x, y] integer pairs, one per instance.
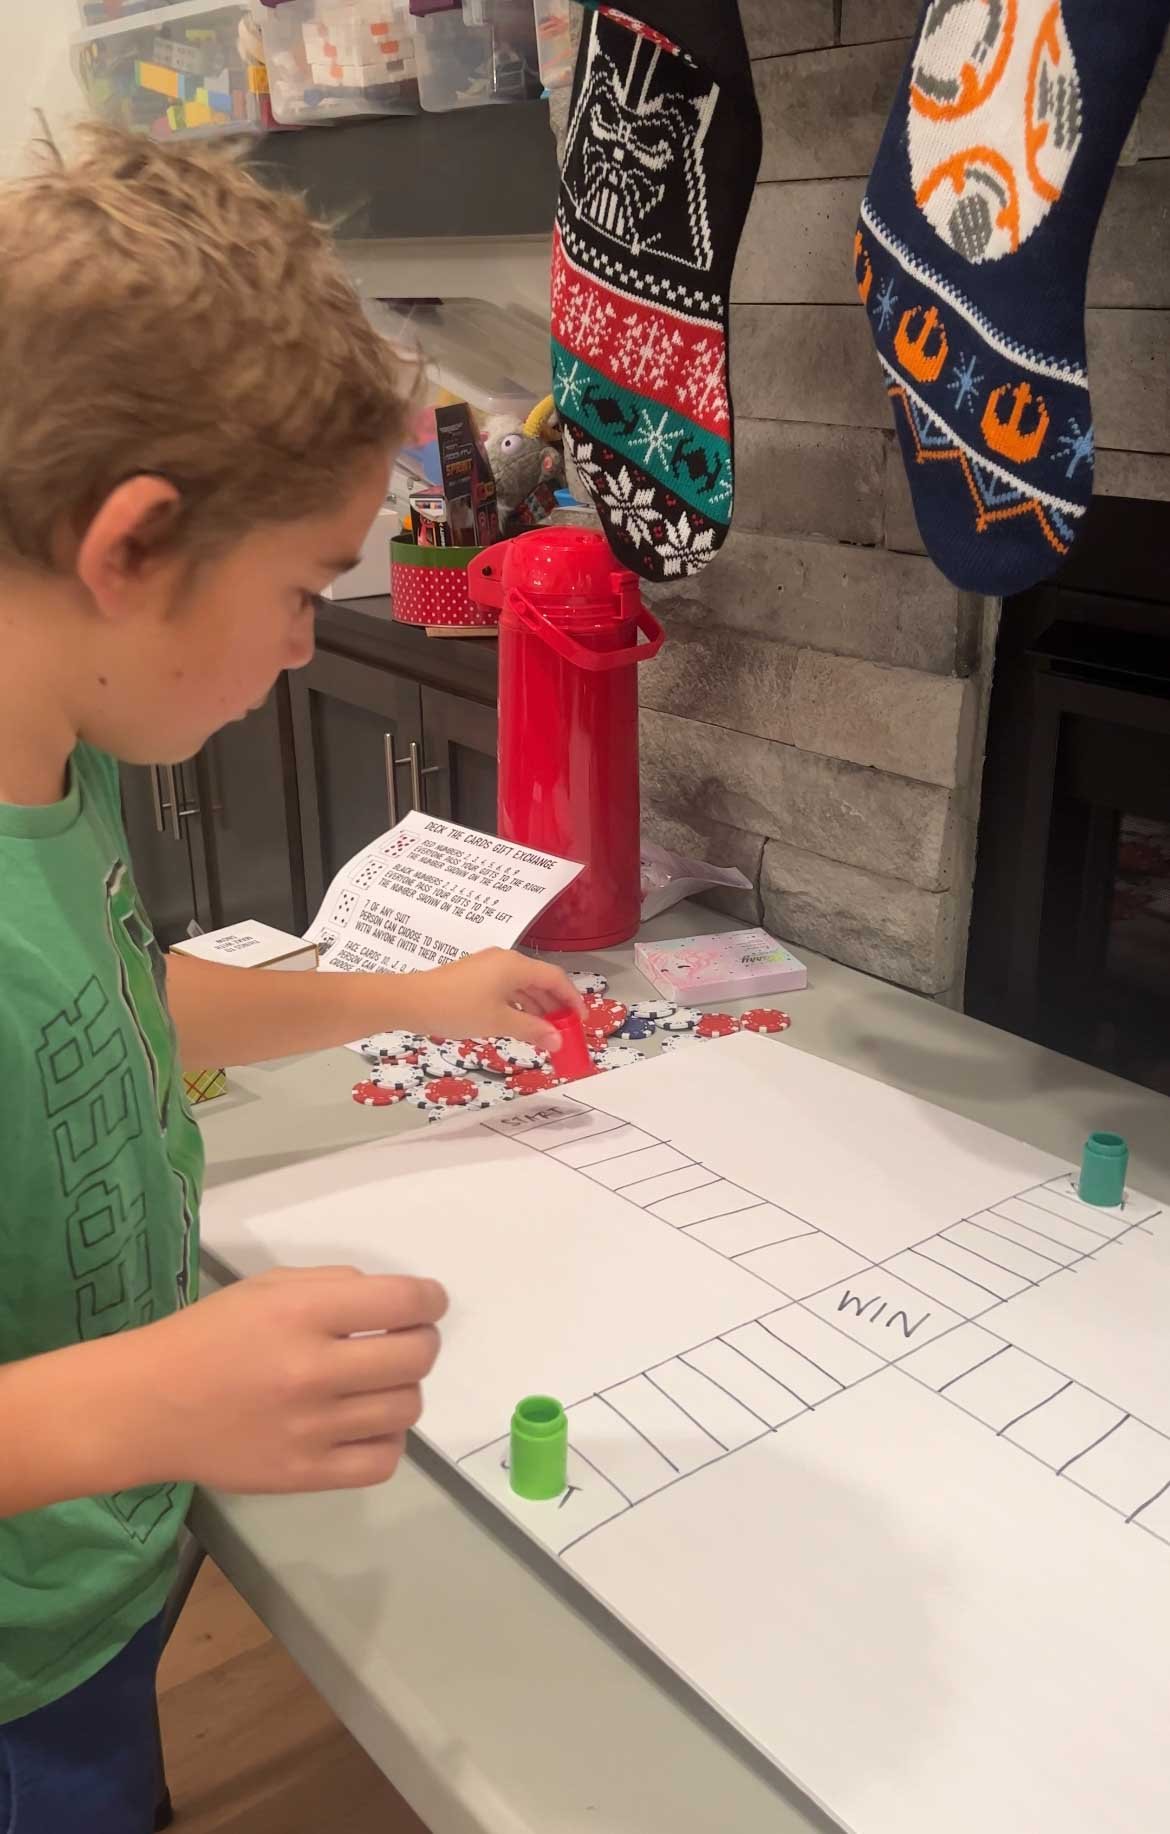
{"points": [[734, 966]]}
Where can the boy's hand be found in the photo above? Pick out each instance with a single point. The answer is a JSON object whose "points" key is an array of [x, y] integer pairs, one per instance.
{"points": [[494, 994], [271, 1386]]}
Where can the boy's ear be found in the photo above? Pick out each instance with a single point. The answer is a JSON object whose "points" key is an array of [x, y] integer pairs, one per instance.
{"points": [[126, 545]]}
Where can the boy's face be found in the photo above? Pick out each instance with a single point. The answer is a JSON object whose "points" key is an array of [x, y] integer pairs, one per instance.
{"points": [[207, 644]]}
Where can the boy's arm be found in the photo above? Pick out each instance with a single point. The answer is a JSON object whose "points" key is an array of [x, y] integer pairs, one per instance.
{"points": [[228, 1016], [292, 1381]]}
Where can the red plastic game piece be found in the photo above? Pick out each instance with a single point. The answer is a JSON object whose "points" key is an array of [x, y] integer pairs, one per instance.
{"points": [[572, 1060]]}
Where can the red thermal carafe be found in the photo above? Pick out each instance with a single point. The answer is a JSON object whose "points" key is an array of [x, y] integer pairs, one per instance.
{"points": [[570, 620]]}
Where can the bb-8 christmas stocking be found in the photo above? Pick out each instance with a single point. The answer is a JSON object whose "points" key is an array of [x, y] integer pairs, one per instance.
{"points": [[661, 156], [971, 258]]}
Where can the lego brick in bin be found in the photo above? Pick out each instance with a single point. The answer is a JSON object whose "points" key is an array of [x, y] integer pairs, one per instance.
{"points": [[177, 72]]}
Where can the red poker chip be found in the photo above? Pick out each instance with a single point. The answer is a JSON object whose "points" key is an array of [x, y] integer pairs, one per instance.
{"points": [[604, 1016], [373, 1095], [765, 1019], [481, 1054], [449, 1092], [533, 1082], [716, 1025]]}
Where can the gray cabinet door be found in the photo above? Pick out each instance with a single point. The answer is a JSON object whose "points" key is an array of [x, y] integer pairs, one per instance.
{"points": [[353, 728], [458, 778], [156, 806], [246, 787]]}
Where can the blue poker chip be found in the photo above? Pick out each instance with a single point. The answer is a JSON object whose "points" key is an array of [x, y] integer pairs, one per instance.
{"points": [[636, 1028]]}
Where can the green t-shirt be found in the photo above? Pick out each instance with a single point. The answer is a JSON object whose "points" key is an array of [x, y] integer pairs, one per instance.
{"points": [[100, 1172]]}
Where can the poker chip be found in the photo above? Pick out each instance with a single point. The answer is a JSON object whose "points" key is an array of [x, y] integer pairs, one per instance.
{"points": [[682, 1019], [448, 1092], [617, 1057], [480, 1054], [658, 1010], [533, 1082], [764, 1019], [587, 981], [606, 1016], [636, 1028], [716, 1025], [377, 1095], [517, 1055], [400, 1077], [385, 1046], [490, 1094]]}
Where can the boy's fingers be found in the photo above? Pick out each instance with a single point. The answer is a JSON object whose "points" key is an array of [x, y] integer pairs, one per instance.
{"points": [[381, 1302], [372, 1365], [532, 1029], [551, 986]]}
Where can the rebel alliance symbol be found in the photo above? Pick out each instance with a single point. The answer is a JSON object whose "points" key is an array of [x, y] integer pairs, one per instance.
{"points": [[1009, 436], [919, 350], [862, 268], [636, 142]]}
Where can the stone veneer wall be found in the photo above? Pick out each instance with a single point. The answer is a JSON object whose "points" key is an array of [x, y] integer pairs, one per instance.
{"points": [[817, 717]]}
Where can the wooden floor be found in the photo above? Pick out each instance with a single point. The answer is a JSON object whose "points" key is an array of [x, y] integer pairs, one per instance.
{"points": [[251, 1748]]}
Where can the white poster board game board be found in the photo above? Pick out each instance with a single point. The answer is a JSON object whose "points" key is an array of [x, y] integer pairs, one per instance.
{"points": [[869, 1416]]}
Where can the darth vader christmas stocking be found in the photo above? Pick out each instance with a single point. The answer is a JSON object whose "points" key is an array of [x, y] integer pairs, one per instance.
{"points": [[661, 156], [971, 258]]}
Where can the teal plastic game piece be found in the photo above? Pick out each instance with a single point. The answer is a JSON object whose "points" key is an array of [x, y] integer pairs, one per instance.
{"points": [[539, 1462], [1103, 1167]]}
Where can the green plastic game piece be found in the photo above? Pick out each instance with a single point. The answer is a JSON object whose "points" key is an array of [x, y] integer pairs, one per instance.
{"points": [[539, 1464], [1103, 1169]]}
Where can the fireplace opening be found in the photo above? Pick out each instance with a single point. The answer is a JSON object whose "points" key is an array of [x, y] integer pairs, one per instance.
{"points": [[1070, 929]]}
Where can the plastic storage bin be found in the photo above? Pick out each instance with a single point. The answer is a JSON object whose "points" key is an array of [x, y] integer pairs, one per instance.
{"points": [[471, 52], [184, 70], [100, 12], [328, 59], [554, 40]]}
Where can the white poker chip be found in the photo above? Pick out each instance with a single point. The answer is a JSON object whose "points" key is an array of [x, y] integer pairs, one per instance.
{"points": [[617, 1057], [658, 1010], [392, 1044], [492, 1094], [585, 980], [402, 1076], [682, 1019], [520, 1056]]}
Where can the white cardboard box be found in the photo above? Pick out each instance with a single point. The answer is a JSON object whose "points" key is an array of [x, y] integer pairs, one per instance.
{"points": [[251, 945]]}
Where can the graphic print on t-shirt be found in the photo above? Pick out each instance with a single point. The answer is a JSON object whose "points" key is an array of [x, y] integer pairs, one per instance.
{"points": [[95, 1116]]}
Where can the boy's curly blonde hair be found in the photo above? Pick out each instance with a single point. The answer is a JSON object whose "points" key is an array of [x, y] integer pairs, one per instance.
{"points": [[162, 312]]}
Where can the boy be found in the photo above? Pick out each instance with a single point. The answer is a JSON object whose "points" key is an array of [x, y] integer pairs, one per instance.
{"points": [[196, 425]]}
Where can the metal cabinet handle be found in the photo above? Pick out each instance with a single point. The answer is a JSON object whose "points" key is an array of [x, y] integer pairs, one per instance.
{"points": [[418, 771], [393, 765], [178, 810], [161, 810]]}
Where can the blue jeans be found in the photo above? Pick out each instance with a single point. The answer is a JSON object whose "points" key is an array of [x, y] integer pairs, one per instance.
{"points": [[88, 1764]]}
